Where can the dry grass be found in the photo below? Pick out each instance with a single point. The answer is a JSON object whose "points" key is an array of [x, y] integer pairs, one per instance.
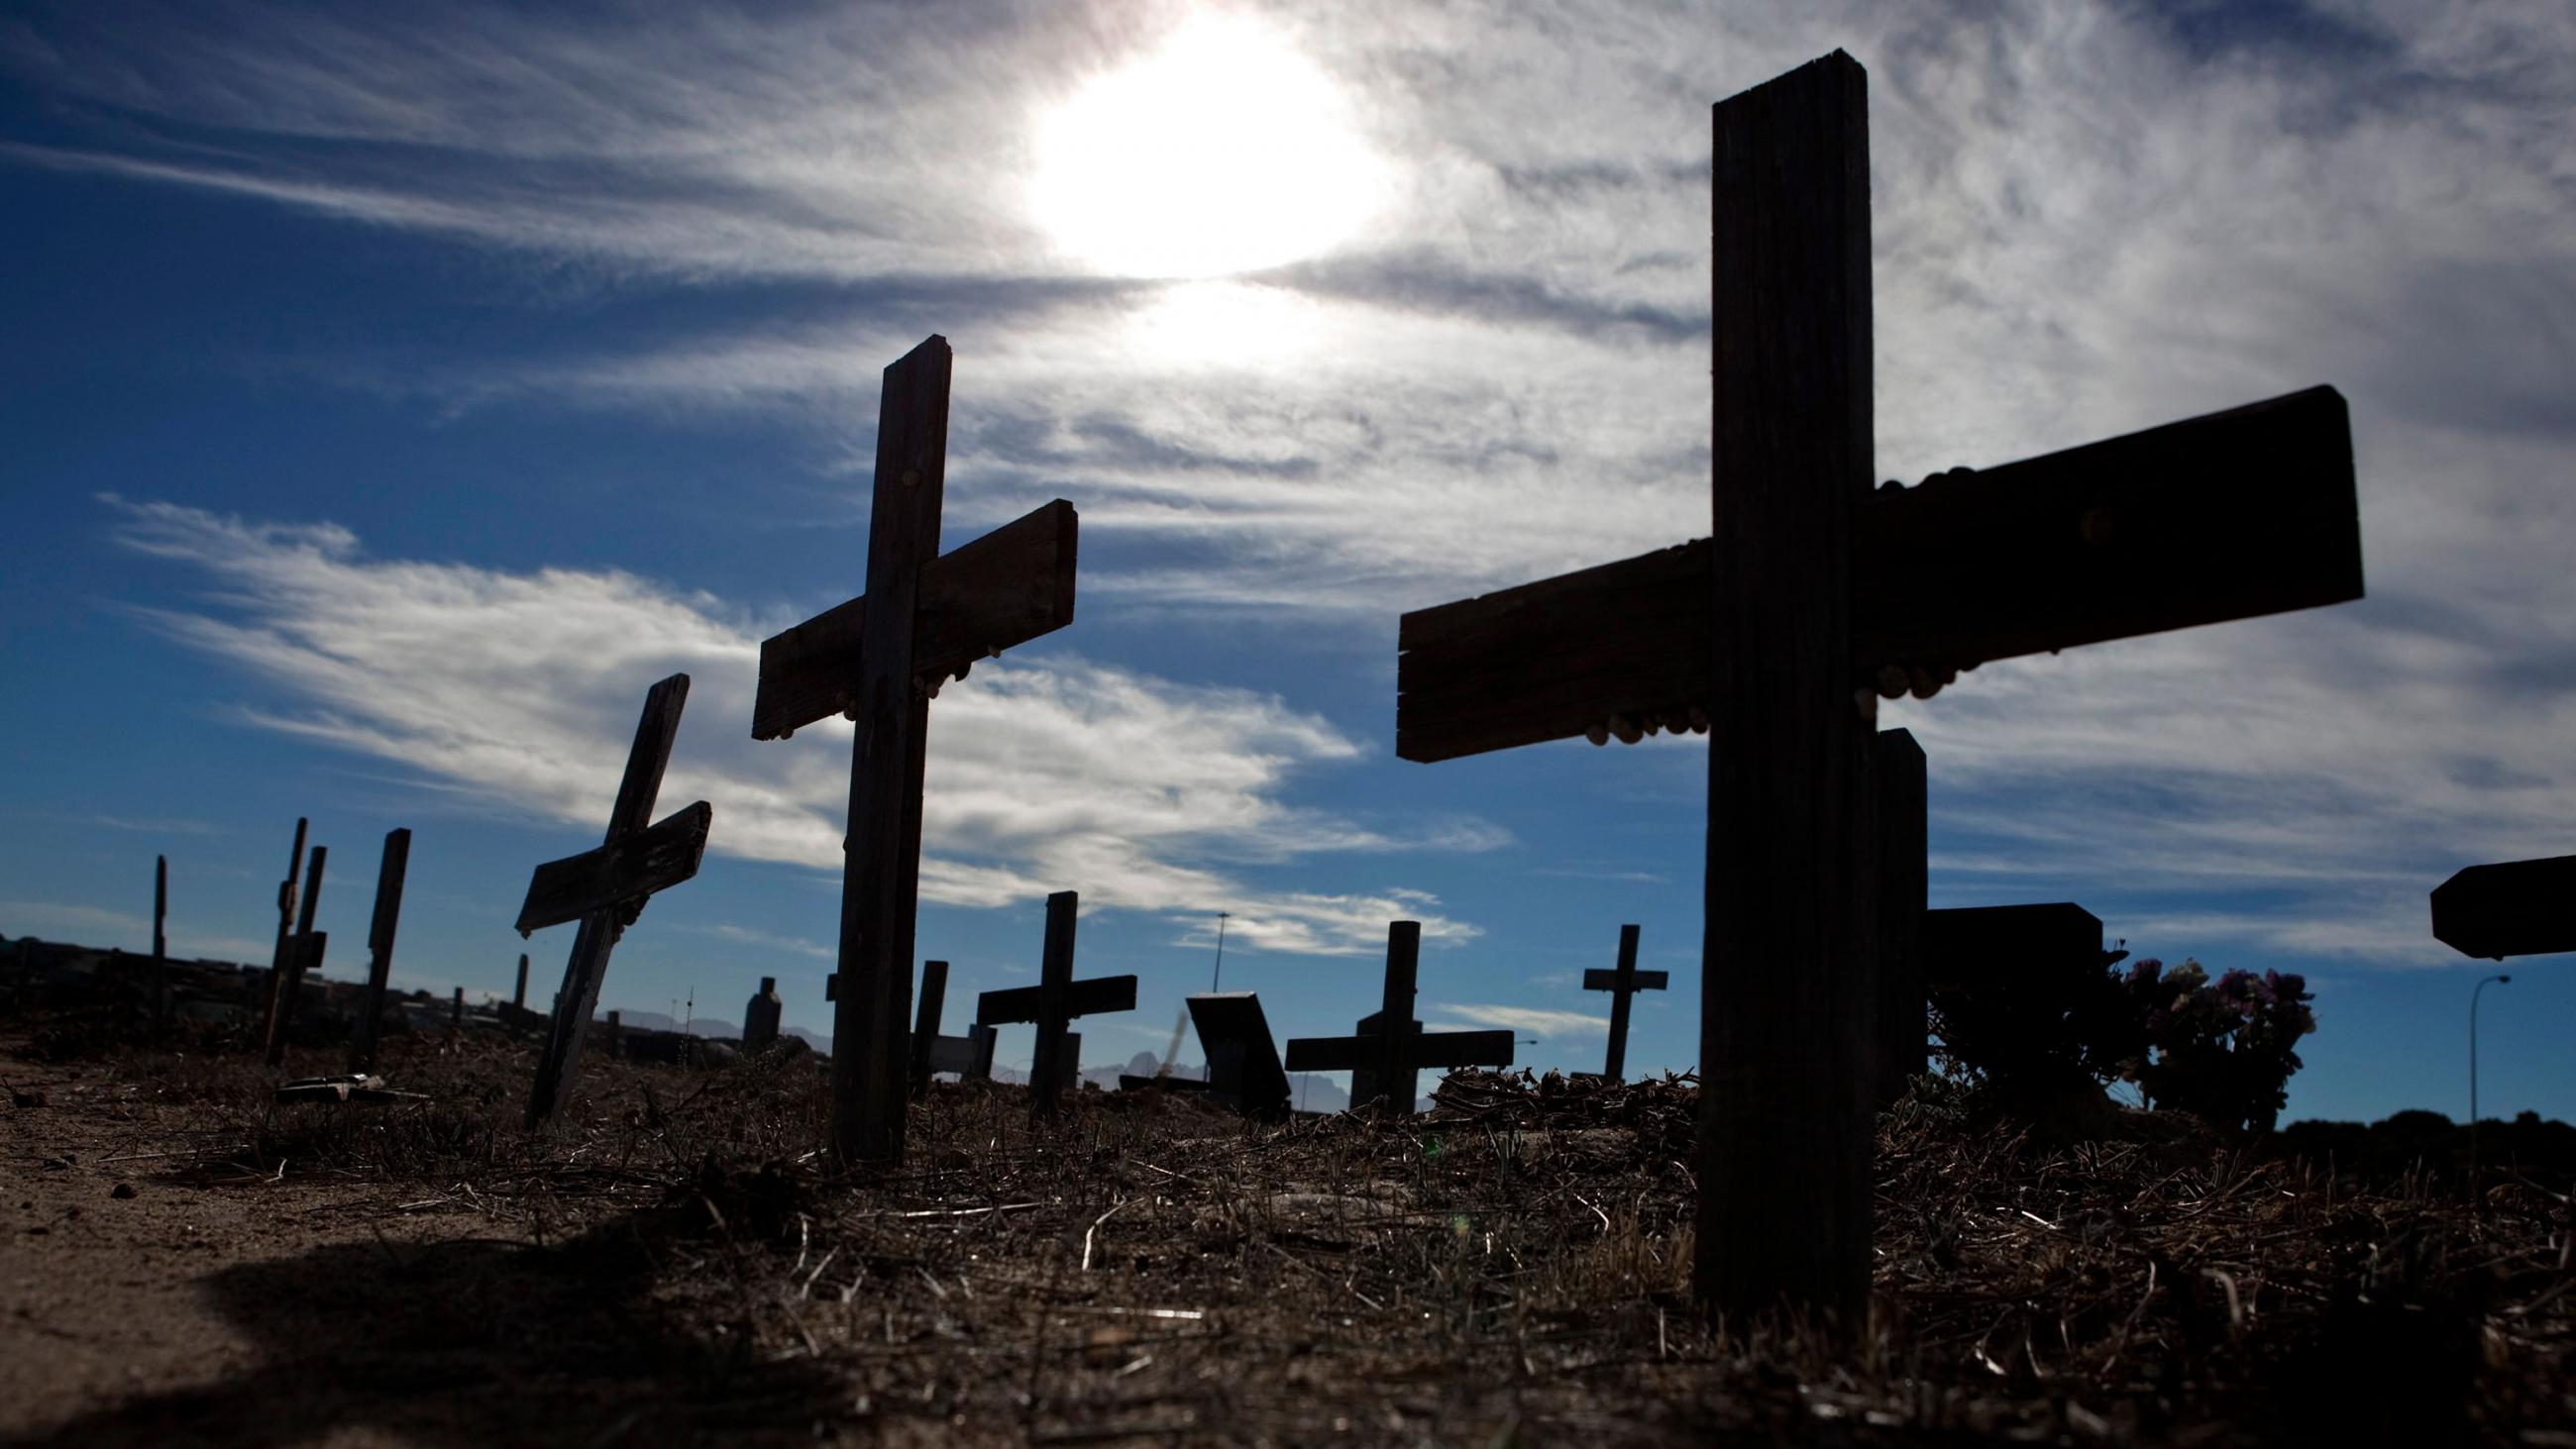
{"points": [[1513, 1269]]}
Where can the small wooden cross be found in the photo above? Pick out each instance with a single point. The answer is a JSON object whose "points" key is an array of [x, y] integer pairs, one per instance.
{"points": [[969, 1056], [878, 659], [2517, 908], [380, 950], [1390, 1046], [1622, 983], [301, 953], [1053, 1002], [605, 888], [1815, 595]]}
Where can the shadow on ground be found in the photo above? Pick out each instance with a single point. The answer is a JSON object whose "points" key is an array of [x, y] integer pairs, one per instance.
{"points": [[478, 1342]]}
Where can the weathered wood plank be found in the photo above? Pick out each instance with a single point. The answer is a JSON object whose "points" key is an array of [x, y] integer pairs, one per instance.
{"points": [[1081, 998], [1603, 978], [2232, 515], [390, 870], [1444, 1049], [2517, 908], [1788, 993], [1903, 893], [1005, 588], [623, 869]]}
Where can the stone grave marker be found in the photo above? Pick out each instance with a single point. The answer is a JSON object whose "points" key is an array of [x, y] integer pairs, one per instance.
{"points": [[380, 951], [1053, 1003], [605, 889], [878, 659], [1814, 595], [1622, 982], [1390, 1047], [760, 1016], [2516, 908]]}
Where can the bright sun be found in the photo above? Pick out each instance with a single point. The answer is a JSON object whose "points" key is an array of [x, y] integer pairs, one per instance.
{"points": [[1223, 151]]}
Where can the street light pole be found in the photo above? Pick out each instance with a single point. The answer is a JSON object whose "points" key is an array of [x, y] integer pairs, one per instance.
{"points": [[2473, 1078]]}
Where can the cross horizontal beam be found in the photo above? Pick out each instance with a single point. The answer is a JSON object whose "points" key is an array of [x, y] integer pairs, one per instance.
{"points": [[1082, 998], [1423, 1049], [2235, 514], [627, 868], [1603, 978], [1005, 588], [2518, 908]]}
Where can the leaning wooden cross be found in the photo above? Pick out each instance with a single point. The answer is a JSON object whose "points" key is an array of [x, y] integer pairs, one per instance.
{"points": [[1622, 982], [380, 950], [301, 953], [2516, 908], [1383, 1058], [878, 659], [970, 1056], [605, 889], [1053, 1003], [1815, 594]]}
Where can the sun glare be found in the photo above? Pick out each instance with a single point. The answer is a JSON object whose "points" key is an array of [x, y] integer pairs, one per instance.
{"points": [[1224, 151]]}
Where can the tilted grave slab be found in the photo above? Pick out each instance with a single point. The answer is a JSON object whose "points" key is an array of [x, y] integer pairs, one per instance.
{"points": [[1244, 1070], [2515, 908], [924, 618], [605, 889], [1816, 592]]}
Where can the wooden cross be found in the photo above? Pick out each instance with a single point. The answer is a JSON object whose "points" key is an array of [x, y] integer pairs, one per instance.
{"points": [[380, 950], [1053, 1002], [1390, 1046], [1622, 983], [2517, 908], [1814, 594], [605, 889], [878, 659], [969, 1056], [285, 930], [301, 953]]}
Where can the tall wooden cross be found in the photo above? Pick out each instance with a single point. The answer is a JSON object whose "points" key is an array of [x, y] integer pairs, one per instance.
{"points": [[1816, 593], [1054, 1002], [285, 931], [2516, 908], [380, 950], [605, 889], [1622, 983], [1398, 1048], [878, 659], [301, 953]]}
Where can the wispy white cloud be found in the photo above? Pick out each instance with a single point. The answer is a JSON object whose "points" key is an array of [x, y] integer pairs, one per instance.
{"points": [[1538, 1021], [519, 689]]}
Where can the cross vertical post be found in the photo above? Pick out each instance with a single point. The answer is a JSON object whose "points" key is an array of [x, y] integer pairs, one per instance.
{"points": [[285, 931], [1055, 983], [606, 888], [1902, 896], [1397, 1079], [160, 941], [519, 992], [303, 953], [925, 1023], [1785, 1044], [380, 950]]}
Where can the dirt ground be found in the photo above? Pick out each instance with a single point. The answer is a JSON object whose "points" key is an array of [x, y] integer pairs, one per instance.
{"points": [[187, 1262]]}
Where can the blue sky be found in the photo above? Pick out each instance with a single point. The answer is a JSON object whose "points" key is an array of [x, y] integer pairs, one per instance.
{"points": [[390, 397]]}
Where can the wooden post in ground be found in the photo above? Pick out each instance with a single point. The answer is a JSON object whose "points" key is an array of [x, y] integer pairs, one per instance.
{"points": [[1902, 896], [285, 929], [303, 953], [380, 951], [1623, 983], [1053, 1004], [760, 1016], [879, 659], [456, 1014], [1386, 1055], [160, 942], [1814, 596], [925, 1023], [519, 992], [605, 889]]}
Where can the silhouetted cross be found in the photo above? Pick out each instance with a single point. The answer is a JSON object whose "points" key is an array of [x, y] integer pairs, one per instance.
{"points": [[1815, 595]]}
